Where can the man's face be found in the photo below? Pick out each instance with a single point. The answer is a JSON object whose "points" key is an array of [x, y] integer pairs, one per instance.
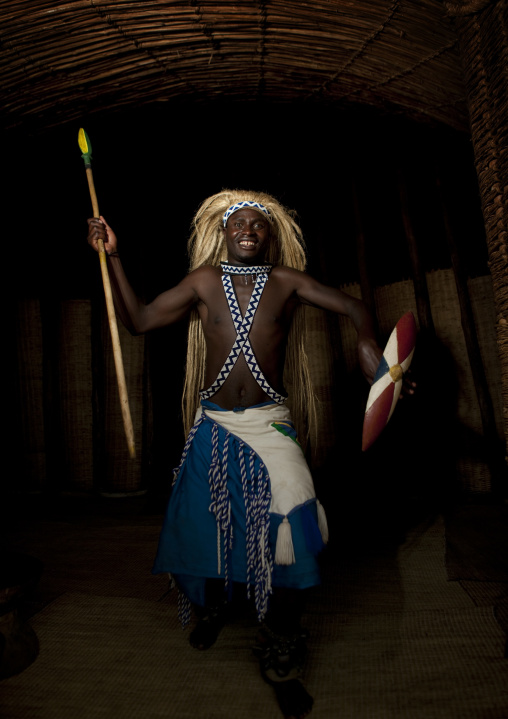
{"points": [[247, 235]]}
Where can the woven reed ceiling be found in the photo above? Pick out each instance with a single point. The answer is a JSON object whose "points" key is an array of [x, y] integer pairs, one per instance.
{"points": [[62, 60]]}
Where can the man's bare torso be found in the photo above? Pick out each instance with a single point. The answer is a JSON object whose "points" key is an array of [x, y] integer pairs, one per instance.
{"points": [[268, 335]]}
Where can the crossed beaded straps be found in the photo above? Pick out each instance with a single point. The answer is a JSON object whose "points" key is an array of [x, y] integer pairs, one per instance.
{"points": [[243, 326]]}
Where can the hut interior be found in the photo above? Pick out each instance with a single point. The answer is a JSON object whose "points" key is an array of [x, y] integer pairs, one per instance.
{"points": [[383, 123]]}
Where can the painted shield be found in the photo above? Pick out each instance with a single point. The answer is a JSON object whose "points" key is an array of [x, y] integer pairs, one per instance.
{"points": [[387, 384]]}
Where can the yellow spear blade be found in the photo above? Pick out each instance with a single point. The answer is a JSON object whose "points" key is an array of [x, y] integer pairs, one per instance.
{"points": [[83, 141]]}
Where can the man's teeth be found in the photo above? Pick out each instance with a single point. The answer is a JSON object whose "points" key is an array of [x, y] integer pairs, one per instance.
{"points": [[247, 244]]}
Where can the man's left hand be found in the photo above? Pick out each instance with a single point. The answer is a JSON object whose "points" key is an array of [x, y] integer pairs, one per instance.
{"points": [[369, 355]]}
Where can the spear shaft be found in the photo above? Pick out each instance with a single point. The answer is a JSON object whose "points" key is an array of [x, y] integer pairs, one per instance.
{"points": [[85, 146]]}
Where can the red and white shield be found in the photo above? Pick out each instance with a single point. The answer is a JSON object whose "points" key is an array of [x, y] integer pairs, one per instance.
{"points": [[385, 389]]}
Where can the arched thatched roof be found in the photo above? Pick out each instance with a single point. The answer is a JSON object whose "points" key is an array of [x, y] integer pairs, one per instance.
{"points": [[62, 60]]}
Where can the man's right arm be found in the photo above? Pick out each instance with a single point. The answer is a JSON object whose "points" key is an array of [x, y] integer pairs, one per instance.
{"points": [[168, 307]]}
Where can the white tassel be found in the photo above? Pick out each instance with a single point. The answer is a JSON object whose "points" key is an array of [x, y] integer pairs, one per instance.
{"points": [[322, 523], [284, 552]]}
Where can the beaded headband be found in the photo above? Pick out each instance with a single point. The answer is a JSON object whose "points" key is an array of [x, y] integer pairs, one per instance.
{"points": [[245, 203]]}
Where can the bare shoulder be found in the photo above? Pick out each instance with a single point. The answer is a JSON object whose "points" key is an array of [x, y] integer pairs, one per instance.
{"points": [[293, 281], [203, 275], [206, 271], [287, 274]]}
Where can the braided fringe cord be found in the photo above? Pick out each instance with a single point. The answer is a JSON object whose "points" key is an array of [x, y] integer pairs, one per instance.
{"points": [[184, 609], [221, 504], [257, 498], [264, 564], [248, 520]]}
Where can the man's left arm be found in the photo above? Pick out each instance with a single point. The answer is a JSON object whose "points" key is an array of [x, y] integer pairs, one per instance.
{"points": [[310, 291]]}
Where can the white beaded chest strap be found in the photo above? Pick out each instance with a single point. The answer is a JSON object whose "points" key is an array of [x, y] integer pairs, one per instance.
{"points": [[243, 326]]}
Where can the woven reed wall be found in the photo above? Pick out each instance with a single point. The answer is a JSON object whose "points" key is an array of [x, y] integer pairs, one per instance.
{"points": [[332, 353], [75, 394], [482, 28], [392, 302], [59, 446], [31, 450]]}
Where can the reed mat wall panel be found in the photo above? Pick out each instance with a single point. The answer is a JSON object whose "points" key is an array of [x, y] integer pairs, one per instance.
{"points": [[472, 468], [120, 474], [30, 473], [482, 297], [123, 474], [75, 375], [447, 320], [393, 301]]}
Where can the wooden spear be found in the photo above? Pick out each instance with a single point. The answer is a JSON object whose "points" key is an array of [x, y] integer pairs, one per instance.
{"points": [[86, 149]]}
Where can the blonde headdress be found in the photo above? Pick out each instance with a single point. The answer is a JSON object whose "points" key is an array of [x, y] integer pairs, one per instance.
{"points": [[207, 246]]}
